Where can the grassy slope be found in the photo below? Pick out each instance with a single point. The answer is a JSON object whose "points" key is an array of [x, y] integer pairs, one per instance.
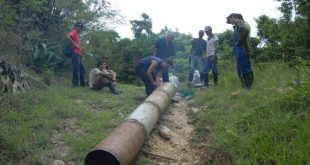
{"points": [[268, 124], [260, 126], [78, 117]]}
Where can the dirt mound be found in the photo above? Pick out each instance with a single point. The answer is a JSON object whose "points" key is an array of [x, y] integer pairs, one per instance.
{"points": [[177, 149]]}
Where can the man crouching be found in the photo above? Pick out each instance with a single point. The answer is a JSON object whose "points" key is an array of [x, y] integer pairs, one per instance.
{"points": [[100, 77]]}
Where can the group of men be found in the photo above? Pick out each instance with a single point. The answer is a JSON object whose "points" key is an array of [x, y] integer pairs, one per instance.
{"points": [[150, 68], [99, 77], [203, 57]]}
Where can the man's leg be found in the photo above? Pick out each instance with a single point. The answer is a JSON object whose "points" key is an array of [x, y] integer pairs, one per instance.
{"points": [[191, 69], [106, 81], [240, 74], [98, 84], [149, 88], [214, 71], [245, 69], [165, 75], [75, 62], [82, 73], [200, 64], [112, 88], [206, 69]]}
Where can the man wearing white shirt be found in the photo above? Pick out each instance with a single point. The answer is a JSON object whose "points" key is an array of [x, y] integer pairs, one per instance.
{"points": [[211, 56], [100, 77]]}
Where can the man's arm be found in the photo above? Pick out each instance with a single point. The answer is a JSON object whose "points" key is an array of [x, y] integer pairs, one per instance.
{"points": [[107, 74], [216, 47], [71, 40], [158, 77], [215, 51], [243, 32], [149, 72]]}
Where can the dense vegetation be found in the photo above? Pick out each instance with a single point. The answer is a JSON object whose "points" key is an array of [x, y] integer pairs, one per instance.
{"points": [[266, 125], [35, 31]]}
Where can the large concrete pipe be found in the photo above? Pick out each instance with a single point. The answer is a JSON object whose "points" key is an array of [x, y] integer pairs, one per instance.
{"points": [[121, 146]]}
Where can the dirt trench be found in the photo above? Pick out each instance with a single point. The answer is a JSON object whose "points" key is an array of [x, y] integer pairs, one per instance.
{"points": [[170, 142]]}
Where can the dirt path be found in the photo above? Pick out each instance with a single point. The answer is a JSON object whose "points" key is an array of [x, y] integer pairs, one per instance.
{"points": [[174, 124], [171, 138]]}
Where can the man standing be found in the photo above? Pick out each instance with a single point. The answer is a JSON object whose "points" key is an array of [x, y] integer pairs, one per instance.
{"points": [[78, 69], [242, 48], [211, 56], [100, 77], [149, 69], [164, 49], [196, 57]]}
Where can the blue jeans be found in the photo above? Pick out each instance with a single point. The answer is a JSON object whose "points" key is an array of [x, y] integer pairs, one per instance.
{"points": [[210, 64], [243, 62], [165, 75], [196, 63], [78, 70], [149, 87], [164, 72]]}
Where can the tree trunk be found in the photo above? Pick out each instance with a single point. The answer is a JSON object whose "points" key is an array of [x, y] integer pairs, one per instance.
{"points": [[308, 37]]}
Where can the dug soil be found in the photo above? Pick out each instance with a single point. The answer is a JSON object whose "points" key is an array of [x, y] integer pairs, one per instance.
{"points": [[171, 141]]}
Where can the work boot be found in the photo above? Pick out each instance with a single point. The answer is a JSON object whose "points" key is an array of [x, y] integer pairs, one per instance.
{"points": [[246, 82], [116, 92], [206, 80], [251, 77], [215, 80], [242, 81], [201, 78], [189, 84]]}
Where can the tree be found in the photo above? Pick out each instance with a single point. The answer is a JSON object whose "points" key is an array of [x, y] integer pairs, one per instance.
{"points": [[27, 25], [298, 11], [142, 27], [287, 38]]}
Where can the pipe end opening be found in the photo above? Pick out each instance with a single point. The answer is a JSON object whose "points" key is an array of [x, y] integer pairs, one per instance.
{"points": [[100, 157]]}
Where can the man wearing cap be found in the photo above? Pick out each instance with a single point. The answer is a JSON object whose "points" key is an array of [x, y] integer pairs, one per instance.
{"points": [[78, 69], [164, 48], [198, 50], [211, 56], [242, 48]]}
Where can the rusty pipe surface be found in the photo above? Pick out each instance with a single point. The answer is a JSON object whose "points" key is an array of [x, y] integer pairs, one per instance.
{"points": [[121, 146]]}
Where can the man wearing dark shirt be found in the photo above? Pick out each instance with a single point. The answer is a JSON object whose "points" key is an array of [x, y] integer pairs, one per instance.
{"points": [[149, 69], [196, 56], [164, 49]]}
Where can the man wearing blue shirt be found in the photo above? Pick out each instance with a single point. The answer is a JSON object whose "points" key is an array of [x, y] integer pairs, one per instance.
{"points": [[198, 50], [149, 69], [164, 48]]}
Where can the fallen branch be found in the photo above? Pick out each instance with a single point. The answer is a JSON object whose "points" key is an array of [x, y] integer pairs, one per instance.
{"points": [[160, 156], [12, 80]]}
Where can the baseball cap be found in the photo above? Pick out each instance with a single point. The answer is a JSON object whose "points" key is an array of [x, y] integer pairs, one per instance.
{"points": [[239, 16], [169, 61], [207, 28], [79, 24]]}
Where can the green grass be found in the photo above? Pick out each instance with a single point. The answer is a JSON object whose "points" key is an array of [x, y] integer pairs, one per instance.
{"points": [[257, 126], [79, 116]]}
